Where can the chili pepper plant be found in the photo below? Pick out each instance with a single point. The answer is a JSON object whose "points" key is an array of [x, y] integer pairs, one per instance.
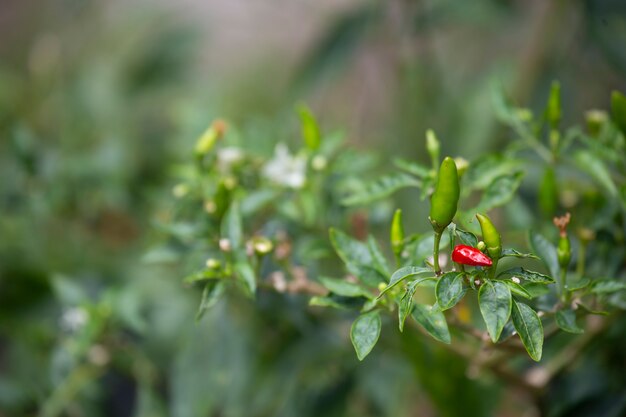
{"points": [[513, 258]]}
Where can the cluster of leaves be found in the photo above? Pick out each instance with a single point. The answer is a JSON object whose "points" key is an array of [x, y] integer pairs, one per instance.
{"points": [[246, 218]]}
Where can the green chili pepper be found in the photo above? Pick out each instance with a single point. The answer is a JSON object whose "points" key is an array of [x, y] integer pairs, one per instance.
{"points": [[564, 252], [445, 199], [397, 234], [548, 192], [491, 237]]}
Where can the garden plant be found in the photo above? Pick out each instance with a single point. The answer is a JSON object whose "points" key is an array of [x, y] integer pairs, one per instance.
{"points": [[248, 221]]}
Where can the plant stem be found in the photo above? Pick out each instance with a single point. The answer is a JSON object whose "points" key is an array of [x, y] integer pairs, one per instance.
{"points": [[580, 264], [562, 285], [436, 253]]}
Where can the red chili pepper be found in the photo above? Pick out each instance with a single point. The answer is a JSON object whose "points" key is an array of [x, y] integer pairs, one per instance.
{"points": [[467, 255]]}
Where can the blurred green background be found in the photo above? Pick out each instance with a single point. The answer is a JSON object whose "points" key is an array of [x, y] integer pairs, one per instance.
{"points": [[98, 99]]}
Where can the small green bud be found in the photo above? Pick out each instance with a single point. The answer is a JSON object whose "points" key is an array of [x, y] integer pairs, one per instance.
{"points": [[433, 147], [213, 263], [262, 245], [596, 119], [481, 246]]}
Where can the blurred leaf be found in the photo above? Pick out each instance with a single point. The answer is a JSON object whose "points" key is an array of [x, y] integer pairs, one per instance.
{"points": [[500, 191], [367, 274], [578, 284], [365, 332], [528, 326], [589, 163], [257, 200], [338, 44], [530, 276], [232, 228], [381, 188], [608, 286], [336, 301], [486, 169], [546, 251], [161, 254], [380, 262], [404, 273], [414, 168], [246, 275], [433, 321], [494, 300], [210, 296], [351, 251], [310, 128], [618, 110], [449, 290], [345, 288], [566, 320]]}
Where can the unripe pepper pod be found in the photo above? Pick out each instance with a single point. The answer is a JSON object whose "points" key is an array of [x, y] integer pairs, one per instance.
{"points": [[445, 199], [491, 237], [467, 255], [397, 233]]}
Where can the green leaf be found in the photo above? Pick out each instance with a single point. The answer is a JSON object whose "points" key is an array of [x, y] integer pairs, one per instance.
{"points": [[586, 310], [381, 188], [336, 301], [618, 110], [345, 288], [245, 274], [256, 200], [449, 290], [566, 320], [517, 289], [608, 286], [351, 251], [203, 275], [414, 168], [210, 296], [546, 252], [232, 228], [578, 284], [403, 273], [530, 276], [380, 262], [500, 191], [528, 326], [592, 165], [433, 321], [486, 169], [466, 238], [310, 128], [494, 300], [405, 305], [513, 253], [365, 332], [367, 274]]}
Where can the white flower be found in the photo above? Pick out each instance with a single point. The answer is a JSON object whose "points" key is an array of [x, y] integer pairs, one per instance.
{"points": [[74, 318], [228, 156], [286, 169]]}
